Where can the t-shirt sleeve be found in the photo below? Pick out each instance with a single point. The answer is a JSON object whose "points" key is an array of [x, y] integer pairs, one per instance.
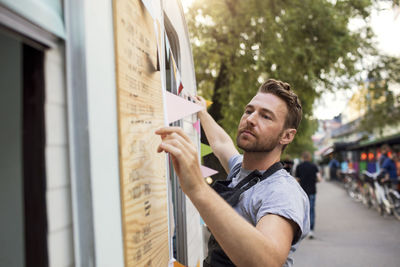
{"points": [[235, 159], [287, 200]]}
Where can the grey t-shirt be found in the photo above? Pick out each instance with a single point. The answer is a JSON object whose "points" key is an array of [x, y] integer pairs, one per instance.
{"points": [[279, 194]]}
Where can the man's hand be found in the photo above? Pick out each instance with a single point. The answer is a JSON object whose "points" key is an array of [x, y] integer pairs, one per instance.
{"points": [[202, 102], [384, 179], [184, 158]]}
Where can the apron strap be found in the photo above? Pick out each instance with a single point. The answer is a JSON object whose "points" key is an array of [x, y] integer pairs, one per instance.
{"points": [[253, 178], [271, 170]]}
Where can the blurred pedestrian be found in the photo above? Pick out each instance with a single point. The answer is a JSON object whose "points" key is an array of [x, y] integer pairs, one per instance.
{"points": [[307, 173], [333, 168], [388, 166]]}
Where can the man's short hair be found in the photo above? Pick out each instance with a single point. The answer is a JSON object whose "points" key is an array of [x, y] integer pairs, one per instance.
{"points": [[385, 148], [306, 155], [284, 92]]}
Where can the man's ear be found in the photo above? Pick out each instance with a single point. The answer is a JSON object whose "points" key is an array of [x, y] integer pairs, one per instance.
{"points": [[287, 136]]}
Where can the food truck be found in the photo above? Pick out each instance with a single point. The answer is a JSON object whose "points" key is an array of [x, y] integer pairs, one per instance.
{"points": [[84, 84]]}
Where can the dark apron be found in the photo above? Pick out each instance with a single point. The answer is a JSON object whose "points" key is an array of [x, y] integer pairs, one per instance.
{"points": [[216, 256]]}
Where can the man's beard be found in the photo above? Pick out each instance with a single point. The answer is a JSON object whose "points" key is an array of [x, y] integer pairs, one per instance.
{"points": [[257, 146]]}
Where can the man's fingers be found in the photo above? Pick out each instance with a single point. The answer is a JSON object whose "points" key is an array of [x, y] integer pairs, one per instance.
{"points": [[172, 151], [169, 148], [187, 149], [169, 130], [200, 100], [181, 142]]}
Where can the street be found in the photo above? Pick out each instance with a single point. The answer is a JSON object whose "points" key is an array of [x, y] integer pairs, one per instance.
{"points": [[348, 234]]}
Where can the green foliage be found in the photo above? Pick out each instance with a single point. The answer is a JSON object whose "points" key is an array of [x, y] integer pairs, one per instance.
{"points": [[382, 104], [239, 44]]}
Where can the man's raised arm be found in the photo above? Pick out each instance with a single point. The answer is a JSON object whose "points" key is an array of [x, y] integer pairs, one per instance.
{"points": [[267, 244], [220, 142]]}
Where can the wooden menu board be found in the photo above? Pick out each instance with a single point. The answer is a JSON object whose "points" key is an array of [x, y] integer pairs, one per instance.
{"points": [[140, 111]]}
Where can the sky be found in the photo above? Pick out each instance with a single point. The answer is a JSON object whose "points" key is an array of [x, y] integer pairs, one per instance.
{"points": [[386, 25]]}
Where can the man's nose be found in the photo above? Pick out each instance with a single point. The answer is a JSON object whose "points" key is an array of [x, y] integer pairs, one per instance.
{"points": [[251, 119]]}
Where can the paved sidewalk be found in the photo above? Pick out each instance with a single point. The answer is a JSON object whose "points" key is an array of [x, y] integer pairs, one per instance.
{"points": [[348, 234]]}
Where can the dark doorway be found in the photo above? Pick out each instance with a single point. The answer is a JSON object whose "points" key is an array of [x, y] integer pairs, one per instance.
{"points": [[23, 227], [34, 157]]}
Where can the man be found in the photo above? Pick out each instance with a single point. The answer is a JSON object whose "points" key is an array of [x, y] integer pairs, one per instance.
{"points": [[388, 167], [261, 225], [308, 175], [333, 168]]}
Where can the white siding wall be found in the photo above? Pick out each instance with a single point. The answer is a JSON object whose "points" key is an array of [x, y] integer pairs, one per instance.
{"points": [[59, 213]]}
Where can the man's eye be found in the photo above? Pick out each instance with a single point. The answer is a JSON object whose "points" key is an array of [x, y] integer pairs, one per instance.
{"points": [[266, 117], [247, 111]]}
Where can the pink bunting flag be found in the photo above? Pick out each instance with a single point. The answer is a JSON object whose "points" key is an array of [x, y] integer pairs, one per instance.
{"points": [[196, 125], [178, 107], [206, 172]]}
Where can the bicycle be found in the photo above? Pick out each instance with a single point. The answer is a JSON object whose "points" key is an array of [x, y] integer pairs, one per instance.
{"points": [[369, 196], [353, 185], [387, 199]]}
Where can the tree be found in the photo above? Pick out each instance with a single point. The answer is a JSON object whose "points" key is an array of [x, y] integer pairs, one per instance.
{"points": [[381, 104], [238, 44]]}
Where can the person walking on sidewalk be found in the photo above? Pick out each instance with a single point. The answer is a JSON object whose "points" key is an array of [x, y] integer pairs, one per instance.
{"points": [[333, 168], [258, 216], [308, 175], [388, 167]]}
